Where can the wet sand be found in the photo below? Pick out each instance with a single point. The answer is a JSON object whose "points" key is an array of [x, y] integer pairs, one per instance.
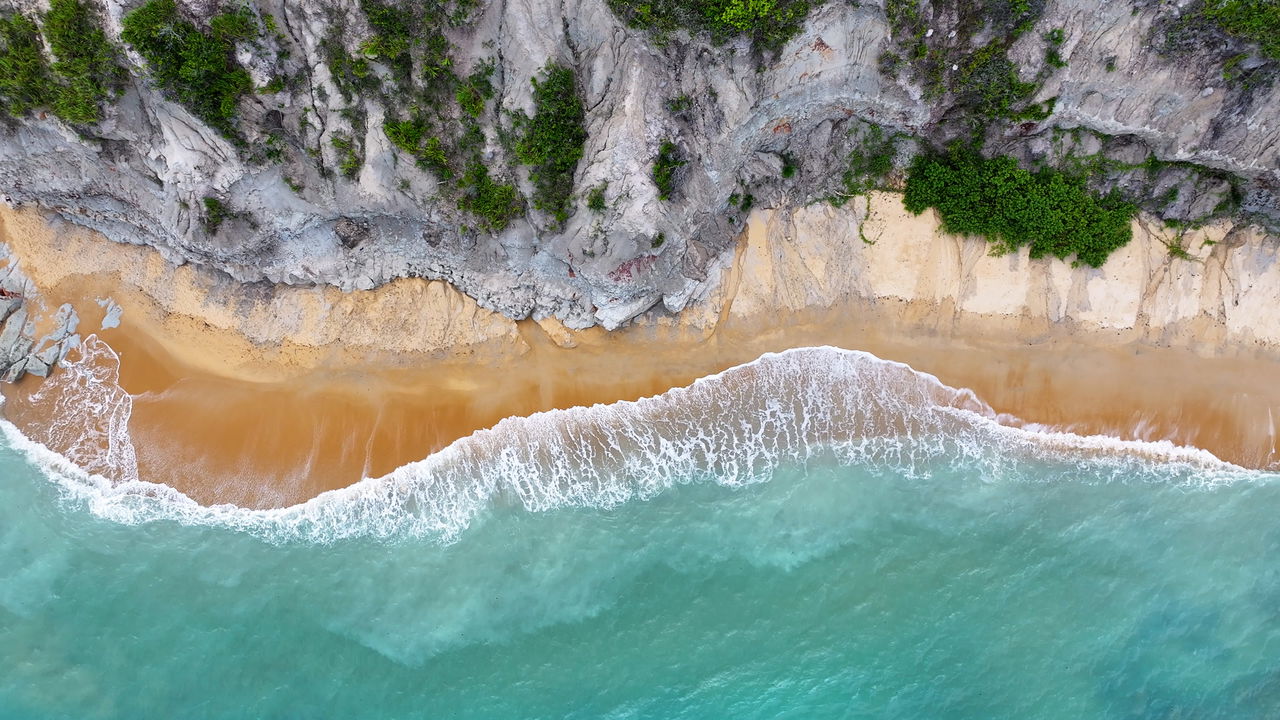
{"points": [[227, 419]]}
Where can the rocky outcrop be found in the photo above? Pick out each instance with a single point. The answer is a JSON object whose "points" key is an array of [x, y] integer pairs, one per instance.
{"points": [[22, 350], [777, 128]]}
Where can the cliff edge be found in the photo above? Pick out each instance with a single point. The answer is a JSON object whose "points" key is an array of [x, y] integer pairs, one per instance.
{"points": [[589, 161]]}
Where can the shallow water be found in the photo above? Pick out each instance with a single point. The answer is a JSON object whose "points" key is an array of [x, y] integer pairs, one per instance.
{"points": [[819, 535]]}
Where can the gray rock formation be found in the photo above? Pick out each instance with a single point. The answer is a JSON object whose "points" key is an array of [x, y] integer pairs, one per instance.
{"points": [[142, 174], [20, 350]]}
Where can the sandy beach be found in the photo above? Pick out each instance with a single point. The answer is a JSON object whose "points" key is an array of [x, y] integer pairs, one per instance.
{"points": [[264, 396]]}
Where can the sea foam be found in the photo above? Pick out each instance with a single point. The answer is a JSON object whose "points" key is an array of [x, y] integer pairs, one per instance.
{"points": [[734, 428]]}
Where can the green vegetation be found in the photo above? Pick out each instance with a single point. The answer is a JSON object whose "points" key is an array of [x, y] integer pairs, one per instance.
{"points": [[470, 100], [235, 26], [411, 137], [495, 204], [1218, 27], [199, 68], [351, 74], [989, 84], [85, 62], [934, 60], [24, 72], [595, 198], [1256, 21], [1051, 212], [215, 212], [657, 240], [789, 166], [679, 104], [986, 83], [275, 85], [1140, 179], [349, 160], [664, 169], [769, 24], [395, 32], [551, 141], [433, 114], [450, 146], [401, 32], [870, 162], [1053, 55]]}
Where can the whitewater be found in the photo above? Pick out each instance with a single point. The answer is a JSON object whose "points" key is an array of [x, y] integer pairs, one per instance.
{"points": [[817, 533], [732, 428]]}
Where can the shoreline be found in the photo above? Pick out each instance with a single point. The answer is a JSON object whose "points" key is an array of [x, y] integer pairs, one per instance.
{"points": [[267, 396]]}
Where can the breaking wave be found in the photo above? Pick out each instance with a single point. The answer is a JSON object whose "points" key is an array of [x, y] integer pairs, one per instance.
{"points": [[734, 428]]}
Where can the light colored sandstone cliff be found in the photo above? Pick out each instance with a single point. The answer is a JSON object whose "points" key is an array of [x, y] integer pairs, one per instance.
{"points": [[1219, 295]]}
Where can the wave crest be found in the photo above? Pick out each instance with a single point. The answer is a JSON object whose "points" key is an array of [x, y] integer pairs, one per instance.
{"points": [[87, 412], [733, 428]]}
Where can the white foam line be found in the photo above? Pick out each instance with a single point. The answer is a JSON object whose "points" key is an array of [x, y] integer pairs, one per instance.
{"points": [[735, 427]]}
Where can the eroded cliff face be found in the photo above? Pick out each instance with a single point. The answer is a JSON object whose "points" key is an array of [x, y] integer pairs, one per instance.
{"points": [[299, 208]]}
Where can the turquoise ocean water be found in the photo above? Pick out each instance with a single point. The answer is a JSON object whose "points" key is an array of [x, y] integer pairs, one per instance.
{"points": [[817, 535]]}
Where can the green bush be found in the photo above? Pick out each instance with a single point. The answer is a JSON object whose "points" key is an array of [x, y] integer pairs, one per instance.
{"points": [[989, 83], [24, 71], [595, 198], [85, 61], [351, 74], [405, 31], [944, 65], [234, 26], [405, 134], [789, 166], [395, 32], [870, 162], [411, 136], [198, 68], [494, 203], [215, 212], [768, 23], [472, 93], [664, 169], [349, 160], [471, 102], [1053, 54], [1051, 212], [551, 141]]}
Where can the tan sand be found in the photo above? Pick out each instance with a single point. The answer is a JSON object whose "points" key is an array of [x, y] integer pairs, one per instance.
{"points": [[267, 396]]}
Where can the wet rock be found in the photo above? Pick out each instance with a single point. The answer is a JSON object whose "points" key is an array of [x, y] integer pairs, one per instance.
{"points": [[13, 336], [15, 371], [8, 306], [35, 366]]}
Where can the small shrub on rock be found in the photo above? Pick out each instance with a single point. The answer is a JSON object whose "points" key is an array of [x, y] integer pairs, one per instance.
{"points": [[664, 169]]}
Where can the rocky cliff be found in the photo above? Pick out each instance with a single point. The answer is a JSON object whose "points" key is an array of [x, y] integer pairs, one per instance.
{"points": [[365, 141]]}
